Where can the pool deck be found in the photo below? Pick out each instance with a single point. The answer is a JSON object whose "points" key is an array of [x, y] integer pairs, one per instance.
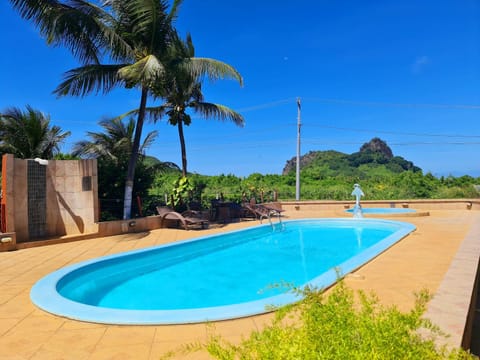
{"points": [[434, 257]]}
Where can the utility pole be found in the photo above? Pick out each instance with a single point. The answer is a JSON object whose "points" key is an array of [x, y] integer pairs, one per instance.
{"points": [[297, 192]]}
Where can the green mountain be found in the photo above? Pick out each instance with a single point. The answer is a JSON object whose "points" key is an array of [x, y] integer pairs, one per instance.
{"points": [[373, 155]]}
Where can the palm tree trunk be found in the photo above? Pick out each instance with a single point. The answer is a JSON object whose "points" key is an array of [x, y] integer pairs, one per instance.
{"points": [[127, 202], [182, 146]]}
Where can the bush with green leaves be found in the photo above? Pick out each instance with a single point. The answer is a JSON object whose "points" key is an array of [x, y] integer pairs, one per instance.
{"points": [[342, 325]]}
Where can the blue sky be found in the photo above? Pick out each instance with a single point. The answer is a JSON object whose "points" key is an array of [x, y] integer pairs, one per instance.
{"points": [[405, 71]]}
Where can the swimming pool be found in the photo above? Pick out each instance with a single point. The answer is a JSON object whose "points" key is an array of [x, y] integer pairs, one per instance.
{"points": [[215, 277]]}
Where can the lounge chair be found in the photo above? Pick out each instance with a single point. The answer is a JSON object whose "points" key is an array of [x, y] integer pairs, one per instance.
{"points": [[251, 210], [264, 211], [187, 218], [275, 208]]}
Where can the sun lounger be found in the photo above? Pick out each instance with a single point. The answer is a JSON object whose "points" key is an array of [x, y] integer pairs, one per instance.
{"points": [[248, 211], [275, 208], [255, 211], [264, 211], [187, 219]]}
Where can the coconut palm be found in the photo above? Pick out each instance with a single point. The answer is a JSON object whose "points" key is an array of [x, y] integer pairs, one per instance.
{"points": [[186, 96], [28, 134], [114, 143], [180, 88], [137, 35], [134, 34], [112, 147]]}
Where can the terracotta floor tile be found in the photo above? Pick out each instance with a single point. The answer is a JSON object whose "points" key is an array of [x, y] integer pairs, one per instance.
{"points": [[78, 325], [7, 325], [17, 307], [6, 297], [181, 333], [127, 335], [34, 322], [176, 351], [127, 352], [74, 341], [11, 356], [54, 354], [23, 344]]}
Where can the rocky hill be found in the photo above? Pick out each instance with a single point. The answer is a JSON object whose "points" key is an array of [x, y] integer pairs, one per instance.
{"points": [[375, 152]]}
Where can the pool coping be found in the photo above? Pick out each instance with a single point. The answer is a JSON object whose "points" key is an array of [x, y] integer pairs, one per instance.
{"points": [[45, 296], [452, 307]]}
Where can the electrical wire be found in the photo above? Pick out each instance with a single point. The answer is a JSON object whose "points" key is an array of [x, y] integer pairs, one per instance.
{"points": [[392, 132], [387, 104]]}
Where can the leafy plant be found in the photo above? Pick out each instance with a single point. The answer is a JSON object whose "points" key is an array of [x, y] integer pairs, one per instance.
{"points": [[339, 326], [181, 193]]}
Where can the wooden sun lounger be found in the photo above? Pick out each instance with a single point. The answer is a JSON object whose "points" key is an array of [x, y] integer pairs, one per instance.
{"points": [[187, 219]]}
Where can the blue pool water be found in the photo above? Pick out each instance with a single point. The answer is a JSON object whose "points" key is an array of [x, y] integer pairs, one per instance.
{"points": [[385, 211], [215, 277]]}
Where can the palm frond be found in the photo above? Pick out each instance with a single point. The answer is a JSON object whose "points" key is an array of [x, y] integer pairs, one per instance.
{"points": [[145, 71], [91, 150], [83, 27], [148, 141], [62, 24], [211, 69], [218, 112], [28, 134], [152, 114], [173, 14], [149, 24], [114, 143], [32, 9], [89, 78]]}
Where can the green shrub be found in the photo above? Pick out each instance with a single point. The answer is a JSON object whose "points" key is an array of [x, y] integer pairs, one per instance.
{"points": [[338, 326]]}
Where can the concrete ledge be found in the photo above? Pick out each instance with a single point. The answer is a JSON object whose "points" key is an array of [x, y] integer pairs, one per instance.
{"points": [[453, 305], [117, 227], [56, 240], [105, 228]]}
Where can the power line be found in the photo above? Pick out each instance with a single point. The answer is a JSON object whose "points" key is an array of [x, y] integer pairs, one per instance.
{"points": [[410, 143], [435, 143], [394, 132], [267, 105], [387, 104]]}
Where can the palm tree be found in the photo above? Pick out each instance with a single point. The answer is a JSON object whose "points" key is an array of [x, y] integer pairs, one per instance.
{"points": [[28, 134], [134, 34], [112, 147], [188, 95], [180, 87], [115, 143], [137, 35]]}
